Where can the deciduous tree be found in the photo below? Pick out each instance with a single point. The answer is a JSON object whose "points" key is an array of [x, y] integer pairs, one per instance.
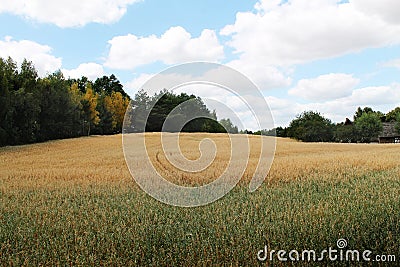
{"points": [[89, 105], [368, 126], [311, 127], [116, 105]]}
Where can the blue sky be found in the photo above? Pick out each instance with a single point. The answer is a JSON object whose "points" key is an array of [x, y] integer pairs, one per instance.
{"points": [[325, 55]]}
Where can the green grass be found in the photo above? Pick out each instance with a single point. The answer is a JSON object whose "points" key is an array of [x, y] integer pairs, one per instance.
{"points": [[121, 225]]}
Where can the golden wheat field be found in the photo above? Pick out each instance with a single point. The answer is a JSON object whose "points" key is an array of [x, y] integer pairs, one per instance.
{"points": [[100, 160], [74, 202]]}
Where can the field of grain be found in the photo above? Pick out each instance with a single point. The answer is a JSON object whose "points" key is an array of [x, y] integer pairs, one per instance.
{"points": [[74, 202]]}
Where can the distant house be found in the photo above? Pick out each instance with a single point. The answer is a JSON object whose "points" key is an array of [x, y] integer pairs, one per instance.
{"points": [[389, 133]]}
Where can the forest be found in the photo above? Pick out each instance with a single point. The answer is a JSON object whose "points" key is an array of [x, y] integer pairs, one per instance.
{"points": [[36, 109]]}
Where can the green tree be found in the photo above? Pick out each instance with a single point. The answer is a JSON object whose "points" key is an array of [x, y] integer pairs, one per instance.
{"points": [[108, 85], [139, 107], [23, 115], [58, 109], [368, 126], [393, 115], [311, 127], [19, 106], [360, 112], [184, 108], [266, 132], [5, 99], [189, 105], [105, 125], [229, 126], [82, 83], [345, 133], [281, 132], [76, 109], [211, 124], [11, 74], [27, 77]]}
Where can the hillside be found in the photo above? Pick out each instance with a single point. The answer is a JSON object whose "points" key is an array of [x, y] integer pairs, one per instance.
{"points": [[73, 201]]}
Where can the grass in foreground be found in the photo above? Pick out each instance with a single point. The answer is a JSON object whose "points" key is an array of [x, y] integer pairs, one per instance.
{"points": [[74, 202]]}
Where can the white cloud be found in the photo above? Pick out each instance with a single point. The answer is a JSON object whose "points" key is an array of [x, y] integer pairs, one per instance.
{"points": [[299, 31], [71, 13], [387, 10], [283, 110], [264, 76], [376, 96], [133, 86], [325, 87], [176, 45], [39, 54], [382, 98], [90, 70]]}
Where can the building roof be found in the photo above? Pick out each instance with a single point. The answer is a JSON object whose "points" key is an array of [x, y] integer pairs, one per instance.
{"points": [[389, 130]]}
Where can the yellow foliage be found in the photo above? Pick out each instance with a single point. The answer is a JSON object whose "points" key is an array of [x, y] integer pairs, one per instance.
{"points": [[75, 94], [116, 104], [90, 97]]}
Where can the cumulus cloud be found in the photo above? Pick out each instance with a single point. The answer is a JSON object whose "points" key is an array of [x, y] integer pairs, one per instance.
{"points": [[90, 70], [375, 95], [176, 45], [70, 13], [382, 98], [39, 54], [263, 75], [299, 31], [325, 87]]}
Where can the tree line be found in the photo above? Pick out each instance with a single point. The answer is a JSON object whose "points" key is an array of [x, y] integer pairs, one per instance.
{"points": [[167, 111], [311, 126], [35, 109]]}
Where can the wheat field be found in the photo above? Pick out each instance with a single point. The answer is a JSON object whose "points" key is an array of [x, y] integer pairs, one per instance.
{"points": [[74, 202], [99, 160]]}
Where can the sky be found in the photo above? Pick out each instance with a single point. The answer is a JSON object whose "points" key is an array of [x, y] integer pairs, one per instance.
{"points": [[328, 56]]}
